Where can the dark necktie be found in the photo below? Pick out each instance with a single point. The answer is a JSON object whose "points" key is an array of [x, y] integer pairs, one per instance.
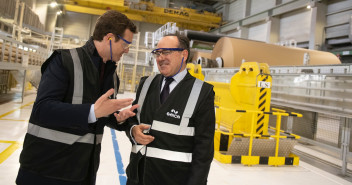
{"points": [[166, 90]]}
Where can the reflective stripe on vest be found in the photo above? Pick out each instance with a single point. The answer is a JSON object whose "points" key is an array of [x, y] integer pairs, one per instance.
{"points": [[78, 78], [169, 155], [146, 84], [138, 148], [163, 154], [141, 98], [62, 137], [172, 129], [191, 102]]}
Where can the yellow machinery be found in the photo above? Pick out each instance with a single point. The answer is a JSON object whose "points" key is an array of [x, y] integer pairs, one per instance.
{"points": [[195, 70], [242, 117], [144, 11]]}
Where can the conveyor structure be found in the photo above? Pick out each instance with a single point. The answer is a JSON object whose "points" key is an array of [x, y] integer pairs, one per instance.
{"points": [[242, 117], [17, 55], [19, 60]]}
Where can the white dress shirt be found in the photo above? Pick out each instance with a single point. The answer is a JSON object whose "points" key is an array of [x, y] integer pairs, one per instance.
{"points": [[177, 79]]}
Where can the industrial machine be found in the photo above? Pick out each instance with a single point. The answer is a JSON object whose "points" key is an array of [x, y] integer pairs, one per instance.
{"points": [[146, 11], [242, 116]]}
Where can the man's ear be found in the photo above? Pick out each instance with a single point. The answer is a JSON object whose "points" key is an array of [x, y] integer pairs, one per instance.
{"points": [[109, 37], [185, 54]]}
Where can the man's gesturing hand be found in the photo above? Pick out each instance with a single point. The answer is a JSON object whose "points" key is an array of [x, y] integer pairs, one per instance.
{"points": [[124, 114], [105, 106], [138, 135]]}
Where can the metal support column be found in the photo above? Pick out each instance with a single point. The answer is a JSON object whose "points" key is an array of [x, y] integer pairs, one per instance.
{"points": [[19, 38], [15, 22], [23, 84], [317, 25]]}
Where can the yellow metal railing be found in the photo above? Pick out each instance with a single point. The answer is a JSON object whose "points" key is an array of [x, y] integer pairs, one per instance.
{"points": [[252, 160]]}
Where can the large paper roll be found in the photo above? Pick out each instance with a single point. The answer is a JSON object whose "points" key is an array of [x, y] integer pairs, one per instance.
{"points": [[233, 51]]}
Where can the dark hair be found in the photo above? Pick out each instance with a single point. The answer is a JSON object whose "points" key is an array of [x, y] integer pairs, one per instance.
{"points": [[183, 42], [113, 22]]}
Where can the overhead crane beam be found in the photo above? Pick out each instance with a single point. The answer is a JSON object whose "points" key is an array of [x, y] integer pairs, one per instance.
{"points": [[96, 11], [185, 18]]}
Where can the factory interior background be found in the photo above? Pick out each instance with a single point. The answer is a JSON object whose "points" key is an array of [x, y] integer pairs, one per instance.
{"points": [[292, 58]]}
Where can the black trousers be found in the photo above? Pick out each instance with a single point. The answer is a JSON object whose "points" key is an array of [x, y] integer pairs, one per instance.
{"points": [[140, 174], [26, 177]]}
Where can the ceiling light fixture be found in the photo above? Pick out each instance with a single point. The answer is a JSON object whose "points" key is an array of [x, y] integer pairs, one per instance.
{"points": [[53, 4]]}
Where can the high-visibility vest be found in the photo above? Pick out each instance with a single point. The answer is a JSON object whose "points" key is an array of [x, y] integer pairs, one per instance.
{"points": [[70, 154], [174, 135]]}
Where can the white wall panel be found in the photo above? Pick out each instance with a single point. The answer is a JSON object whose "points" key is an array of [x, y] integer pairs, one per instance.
{"points": [[234, 34], [337, 5], [285, 1], [339, 18], [258, 32], [295, 25], [77, 24], [237, 10], [258, 6], [337, 31]]}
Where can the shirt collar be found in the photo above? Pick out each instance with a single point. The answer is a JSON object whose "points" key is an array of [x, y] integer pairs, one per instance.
{"points": [[179, 76], [90, 47], [92, 51]]}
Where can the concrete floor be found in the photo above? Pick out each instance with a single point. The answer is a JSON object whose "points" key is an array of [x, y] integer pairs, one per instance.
{"points": [[115, 154]]}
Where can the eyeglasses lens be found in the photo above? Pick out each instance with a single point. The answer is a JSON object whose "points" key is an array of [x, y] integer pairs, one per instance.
{"points": [[162, 52]]}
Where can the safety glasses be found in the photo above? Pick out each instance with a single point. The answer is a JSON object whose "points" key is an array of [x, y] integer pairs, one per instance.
{"points": [[165, 51], [126, 43]]}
